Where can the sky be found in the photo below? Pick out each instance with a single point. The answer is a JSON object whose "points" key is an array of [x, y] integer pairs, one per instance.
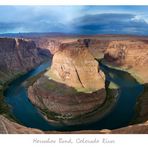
{"points": [[75, 19]]}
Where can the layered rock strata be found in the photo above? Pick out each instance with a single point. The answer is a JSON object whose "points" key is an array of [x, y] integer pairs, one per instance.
{"points": [[18, 56], [130, 55], [74, 66], [9, 127]]}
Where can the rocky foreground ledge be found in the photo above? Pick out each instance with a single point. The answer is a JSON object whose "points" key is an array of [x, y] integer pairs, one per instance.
{"points": [[10, 127]]}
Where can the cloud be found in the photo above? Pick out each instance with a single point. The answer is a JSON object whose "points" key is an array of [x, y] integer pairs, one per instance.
{"points": [[75, 19], [37, 18], [108, 23]]}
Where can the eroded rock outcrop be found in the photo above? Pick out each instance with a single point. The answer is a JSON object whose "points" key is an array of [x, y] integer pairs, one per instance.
{"points": [[73, 89], [131, 55], [48, 43], [64, 104], [96, 46], [18, 56], [74, 66]]}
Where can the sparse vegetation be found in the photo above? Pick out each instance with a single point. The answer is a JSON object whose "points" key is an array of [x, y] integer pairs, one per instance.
{"points": [[31, 80], [4, 108]]}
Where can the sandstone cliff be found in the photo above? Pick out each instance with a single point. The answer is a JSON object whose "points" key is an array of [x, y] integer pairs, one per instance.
{"points": [[96, 46], [74, 66], [48, 43], [18, 56], [130, 55]]}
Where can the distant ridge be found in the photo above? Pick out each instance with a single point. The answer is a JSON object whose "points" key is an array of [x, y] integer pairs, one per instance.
{"points": [[59, 34]]}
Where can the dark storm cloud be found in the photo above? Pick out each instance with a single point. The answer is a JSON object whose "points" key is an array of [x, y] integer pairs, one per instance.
{"points": [[108, 23]]}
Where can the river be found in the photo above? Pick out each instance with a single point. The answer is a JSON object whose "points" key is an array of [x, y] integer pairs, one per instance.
{"points": [[123, 112]]}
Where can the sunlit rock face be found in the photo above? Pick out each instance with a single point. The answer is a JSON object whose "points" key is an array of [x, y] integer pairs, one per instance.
{"points": [[97, 47], [74, 66], [130, 55]]}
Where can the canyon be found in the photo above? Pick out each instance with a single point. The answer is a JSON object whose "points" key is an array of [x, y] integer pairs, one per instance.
{"points": [[72, 89], [74, 86]]}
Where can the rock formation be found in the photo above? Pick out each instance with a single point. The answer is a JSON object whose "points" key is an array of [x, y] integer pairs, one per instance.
{"points": [[10, 127], [50, 44], [72, 88], [97, 47], [130, 55], [74, 66], [18, 56]]}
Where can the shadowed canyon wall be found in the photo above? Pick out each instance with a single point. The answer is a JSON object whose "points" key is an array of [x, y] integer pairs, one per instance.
{"points": [[18, 56]]}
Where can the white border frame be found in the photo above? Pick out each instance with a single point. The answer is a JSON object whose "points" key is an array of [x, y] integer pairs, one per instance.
{"points": [[73, 2], [26, 141]]}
